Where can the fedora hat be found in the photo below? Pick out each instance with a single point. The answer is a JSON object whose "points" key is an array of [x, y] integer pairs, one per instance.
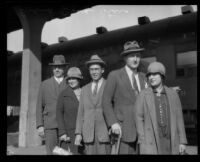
{"points": [[74, 72], [58, 60], [130, 47], [95, 59]]}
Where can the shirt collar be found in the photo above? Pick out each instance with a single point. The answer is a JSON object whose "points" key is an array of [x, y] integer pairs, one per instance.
{"points": [[99, 81], [59, 80], [129, 71]]}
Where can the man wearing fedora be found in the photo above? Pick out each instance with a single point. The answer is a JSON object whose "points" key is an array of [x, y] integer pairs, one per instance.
{"points": [[90, 123], [121, 90], [46, 105]]}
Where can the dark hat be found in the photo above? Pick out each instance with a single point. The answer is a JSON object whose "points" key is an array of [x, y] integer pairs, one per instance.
{"points": [[58, 60], [95, 59], [130, 47], [74, 72]]}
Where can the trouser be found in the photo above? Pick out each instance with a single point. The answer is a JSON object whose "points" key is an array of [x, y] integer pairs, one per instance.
{"points": [[51, 139], [98, 148], [128, 148]]}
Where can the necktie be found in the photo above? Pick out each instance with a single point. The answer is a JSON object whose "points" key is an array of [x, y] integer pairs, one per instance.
{"points": [[95, 88], [134, 83]]}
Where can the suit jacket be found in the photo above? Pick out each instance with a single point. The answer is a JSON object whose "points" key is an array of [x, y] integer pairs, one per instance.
{"points": [[118, 102], [90, 118], [146, 122], [46, 103]]}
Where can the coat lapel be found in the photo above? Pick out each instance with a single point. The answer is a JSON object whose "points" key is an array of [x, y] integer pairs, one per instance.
{"points": [[72, 94], [93, 100], [63, 84], [125, 79], [172, 113], [89, 92], [52, 87], [142, 81], [99, 94], [152, 110]]}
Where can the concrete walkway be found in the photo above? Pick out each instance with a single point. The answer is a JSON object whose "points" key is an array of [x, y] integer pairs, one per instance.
{"points": [[40, 150]]}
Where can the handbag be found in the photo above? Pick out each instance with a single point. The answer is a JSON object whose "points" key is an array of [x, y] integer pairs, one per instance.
{"points": [[184, 153], [58, 150]]}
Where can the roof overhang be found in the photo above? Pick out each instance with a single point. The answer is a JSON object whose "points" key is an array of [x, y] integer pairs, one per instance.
{"points": [[53, 11]]}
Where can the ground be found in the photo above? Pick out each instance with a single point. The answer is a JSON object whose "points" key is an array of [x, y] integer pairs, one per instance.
{"points": [[13, 149]]}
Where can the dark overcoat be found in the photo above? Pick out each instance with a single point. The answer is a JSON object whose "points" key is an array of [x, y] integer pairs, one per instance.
{"points": [[66, 113], [118, 102], [46, 103]]}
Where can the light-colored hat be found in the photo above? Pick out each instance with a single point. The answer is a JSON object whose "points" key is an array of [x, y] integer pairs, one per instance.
{"points": [[58, 60], [130, 47], [74, 72], [156, 67], [95, 59]]}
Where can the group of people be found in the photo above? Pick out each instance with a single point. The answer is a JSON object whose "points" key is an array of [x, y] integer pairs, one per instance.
{"points": [[137, 108]]}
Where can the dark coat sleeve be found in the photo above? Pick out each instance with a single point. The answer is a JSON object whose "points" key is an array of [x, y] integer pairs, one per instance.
{"points": [[39, 108], [107, 99], [60, 115]]}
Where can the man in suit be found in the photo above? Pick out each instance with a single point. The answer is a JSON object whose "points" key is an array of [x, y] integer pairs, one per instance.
{"points": [[90, 124], [121, 90], [46, 105], [159, 117]]}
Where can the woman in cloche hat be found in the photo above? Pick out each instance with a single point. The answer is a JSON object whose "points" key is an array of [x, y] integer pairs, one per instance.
{"points": [[67, 108]]}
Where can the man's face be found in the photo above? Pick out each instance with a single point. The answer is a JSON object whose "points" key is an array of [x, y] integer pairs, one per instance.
{"points": [[155, 79], [58, 71], [133, 60], [96, 71], [73, 82]]}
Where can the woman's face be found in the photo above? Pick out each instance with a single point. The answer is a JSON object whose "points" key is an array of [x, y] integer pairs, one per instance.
{"points": [[155, 79], [73, 83]]}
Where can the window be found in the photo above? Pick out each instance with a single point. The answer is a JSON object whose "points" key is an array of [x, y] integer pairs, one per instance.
{"points": [[186, 64]]}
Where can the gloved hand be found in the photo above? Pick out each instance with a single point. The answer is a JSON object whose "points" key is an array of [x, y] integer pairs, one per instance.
{"points": [[65, 138], [182, 149], [78, 140], [41, 131], [116, 129]]}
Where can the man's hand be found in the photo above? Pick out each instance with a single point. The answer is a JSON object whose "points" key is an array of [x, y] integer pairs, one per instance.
{"points": [[64, 137], [116, 129], [78, 140], [182, 148], [41, 131]]}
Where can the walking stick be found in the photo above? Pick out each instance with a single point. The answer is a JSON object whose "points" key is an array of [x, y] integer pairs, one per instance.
{"points": [[115, 144]]}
